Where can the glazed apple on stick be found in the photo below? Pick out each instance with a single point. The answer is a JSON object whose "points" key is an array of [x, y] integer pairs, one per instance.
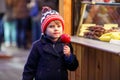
{"points": [[65, 38]]}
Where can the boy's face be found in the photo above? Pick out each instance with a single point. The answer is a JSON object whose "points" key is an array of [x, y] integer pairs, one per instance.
{"points": [[54, 30]]}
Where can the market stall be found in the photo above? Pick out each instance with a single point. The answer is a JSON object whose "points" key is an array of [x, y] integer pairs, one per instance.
{"points": [[99, 58]]}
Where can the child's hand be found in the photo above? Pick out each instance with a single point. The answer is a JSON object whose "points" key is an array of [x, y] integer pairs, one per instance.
{"points": [[66, 50]]}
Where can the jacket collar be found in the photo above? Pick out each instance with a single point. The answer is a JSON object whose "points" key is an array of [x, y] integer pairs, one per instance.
{"points": [[48, 46], [46, 40]]}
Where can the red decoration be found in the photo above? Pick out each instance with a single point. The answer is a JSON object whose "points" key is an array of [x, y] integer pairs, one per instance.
{"points": [[106, 0], [65, 38]]}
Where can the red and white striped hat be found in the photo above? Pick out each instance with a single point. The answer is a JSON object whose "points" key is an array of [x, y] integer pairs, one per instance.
{"points": [[49, 15]]}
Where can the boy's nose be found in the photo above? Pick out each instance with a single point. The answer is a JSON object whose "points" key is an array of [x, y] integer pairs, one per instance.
{"points": [[56, 27]]}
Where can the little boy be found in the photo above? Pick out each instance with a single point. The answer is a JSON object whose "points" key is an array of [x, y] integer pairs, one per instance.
{"points": [[50, 58]]}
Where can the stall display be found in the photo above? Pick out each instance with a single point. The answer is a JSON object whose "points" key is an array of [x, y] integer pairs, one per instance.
{"points": [[100, 21]]}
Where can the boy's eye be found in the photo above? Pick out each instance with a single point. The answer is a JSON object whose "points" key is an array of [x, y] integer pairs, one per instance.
{"points": [[51, 26], [58, 26]]}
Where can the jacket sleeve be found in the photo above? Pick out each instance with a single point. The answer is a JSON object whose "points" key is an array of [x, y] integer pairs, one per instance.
{"points": [[71, 62], [31, 64]]}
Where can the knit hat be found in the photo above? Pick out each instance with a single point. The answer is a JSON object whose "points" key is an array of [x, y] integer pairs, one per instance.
{"points": [[49, 15]]}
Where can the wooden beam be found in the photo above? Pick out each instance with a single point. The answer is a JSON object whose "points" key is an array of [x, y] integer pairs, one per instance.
{"points": [[65, 7]]}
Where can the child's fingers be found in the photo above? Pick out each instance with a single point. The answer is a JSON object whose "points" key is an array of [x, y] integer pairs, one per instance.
{"points": [[66, 50]]}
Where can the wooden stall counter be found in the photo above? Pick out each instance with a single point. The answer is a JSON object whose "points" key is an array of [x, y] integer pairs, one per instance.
{"points": [[97, 60], [104, 46]]}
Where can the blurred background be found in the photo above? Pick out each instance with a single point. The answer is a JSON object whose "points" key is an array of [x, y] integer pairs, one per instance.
{"points": [[19, 28]]}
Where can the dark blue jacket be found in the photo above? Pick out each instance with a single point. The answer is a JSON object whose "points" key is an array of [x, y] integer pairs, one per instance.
{"points": [[48, 62]]}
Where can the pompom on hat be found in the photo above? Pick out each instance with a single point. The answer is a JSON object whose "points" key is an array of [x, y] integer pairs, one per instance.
{"points": [[49, 15]]}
